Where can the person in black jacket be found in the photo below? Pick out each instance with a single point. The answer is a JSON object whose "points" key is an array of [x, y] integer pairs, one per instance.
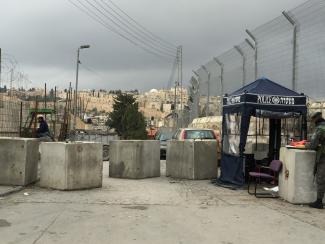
{"points": [[43, 130]]}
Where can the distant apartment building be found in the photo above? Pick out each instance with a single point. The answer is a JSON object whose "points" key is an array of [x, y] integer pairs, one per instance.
{"points": [[155, 105]]}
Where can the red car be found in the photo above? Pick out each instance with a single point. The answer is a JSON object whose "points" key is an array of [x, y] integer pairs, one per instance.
{"points": [[194, 134]]}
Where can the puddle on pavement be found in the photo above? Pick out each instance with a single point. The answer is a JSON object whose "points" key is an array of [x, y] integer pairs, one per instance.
{"points": [[137, 207], [4, 223]]}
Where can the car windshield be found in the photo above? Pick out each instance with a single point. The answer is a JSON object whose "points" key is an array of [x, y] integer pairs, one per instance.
{"points": [[165, 136], [199, 134]]}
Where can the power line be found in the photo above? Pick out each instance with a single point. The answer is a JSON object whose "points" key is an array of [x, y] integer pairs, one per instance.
{"points": [[138, 26], [99, 20], [141, 26], [134, 28], [93, 15], [126, 30], [93, 71]]}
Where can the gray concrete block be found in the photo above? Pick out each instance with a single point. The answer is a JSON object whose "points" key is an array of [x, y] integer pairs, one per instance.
{"points": [[296, 179], [194, 160], [134, 159], [18, 161], [71, 166]]}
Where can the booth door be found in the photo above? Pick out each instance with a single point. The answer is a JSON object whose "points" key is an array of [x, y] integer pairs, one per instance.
{"points": [[275, 139]]}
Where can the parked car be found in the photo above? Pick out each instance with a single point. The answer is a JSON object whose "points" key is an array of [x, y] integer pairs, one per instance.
{"points": [[163, 137], [194, 134], [198, 134]]}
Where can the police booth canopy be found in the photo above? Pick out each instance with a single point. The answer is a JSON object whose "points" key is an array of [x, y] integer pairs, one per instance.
{"points": [[262, 97]]}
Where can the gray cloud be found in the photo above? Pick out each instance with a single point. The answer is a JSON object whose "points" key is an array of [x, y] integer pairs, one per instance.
{"points": [[43, 36]]}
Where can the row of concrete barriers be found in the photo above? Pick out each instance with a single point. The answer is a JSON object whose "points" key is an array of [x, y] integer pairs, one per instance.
{"points": [[193, 160], [63, 166], [79, 165]]}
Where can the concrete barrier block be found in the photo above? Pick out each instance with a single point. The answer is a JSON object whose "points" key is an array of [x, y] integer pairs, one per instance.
{"points": [[134, 159], [296, 179], [71, 166], [18, 161], [194, 160]]}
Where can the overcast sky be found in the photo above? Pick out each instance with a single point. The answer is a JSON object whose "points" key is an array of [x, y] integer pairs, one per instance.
{"points": [[43, 36]]}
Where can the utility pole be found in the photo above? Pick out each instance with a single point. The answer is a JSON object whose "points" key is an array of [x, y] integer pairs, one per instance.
{"points": [[175, 104], [179, 57]]}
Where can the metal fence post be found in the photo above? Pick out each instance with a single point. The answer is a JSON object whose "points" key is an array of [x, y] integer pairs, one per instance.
{"points": [[221, 74], [252, 46], [198, 91], [255, 49], [237, 48], [208, 95], [196, 97], [294, 46]]}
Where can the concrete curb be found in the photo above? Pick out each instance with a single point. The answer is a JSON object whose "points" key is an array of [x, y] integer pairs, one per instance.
{"points": [[14, 190]]}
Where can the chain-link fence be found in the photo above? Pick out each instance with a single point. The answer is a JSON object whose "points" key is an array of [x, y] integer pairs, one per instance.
{"points": [[12, 115], [18, 116], [289, 50]]}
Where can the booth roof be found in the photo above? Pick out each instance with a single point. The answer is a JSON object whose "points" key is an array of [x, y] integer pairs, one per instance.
{"points": [[266, 87]]}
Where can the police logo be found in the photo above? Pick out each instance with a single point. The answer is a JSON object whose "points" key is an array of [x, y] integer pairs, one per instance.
{"points": [[275, 100]]}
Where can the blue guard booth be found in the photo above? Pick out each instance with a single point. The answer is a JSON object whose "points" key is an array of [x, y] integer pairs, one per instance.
{"points": [[262, 99]]}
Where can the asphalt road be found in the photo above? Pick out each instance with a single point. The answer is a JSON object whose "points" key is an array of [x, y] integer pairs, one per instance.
{"points": [[157, 210]]}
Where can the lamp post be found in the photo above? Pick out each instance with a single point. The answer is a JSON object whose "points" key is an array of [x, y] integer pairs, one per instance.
{"points": [[76, 88]]}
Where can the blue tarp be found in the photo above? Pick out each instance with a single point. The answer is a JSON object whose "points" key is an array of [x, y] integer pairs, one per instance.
{"points": [[266, 87], [260, 95]]}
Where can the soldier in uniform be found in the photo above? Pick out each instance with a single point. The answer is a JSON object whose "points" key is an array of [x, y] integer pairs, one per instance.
{"points": [[318, 143]]}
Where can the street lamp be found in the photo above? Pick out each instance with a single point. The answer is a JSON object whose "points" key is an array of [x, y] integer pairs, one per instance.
{"points": [[76, 89]]}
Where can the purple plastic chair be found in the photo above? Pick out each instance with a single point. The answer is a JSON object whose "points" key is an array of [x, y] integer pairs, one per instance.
{"points": [[272, 176]]}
